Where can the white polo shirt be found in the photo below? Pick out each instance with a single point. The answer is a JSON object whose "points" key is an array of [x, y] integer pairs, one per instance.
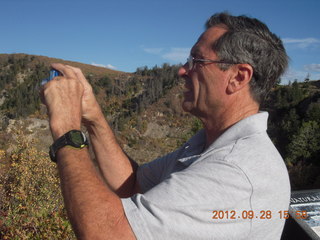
{"points": [[233, 190]]}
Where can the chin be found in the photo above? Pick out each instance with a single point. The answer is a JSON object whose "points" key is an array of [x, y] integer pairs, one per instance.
{"points": [[187, 106]]}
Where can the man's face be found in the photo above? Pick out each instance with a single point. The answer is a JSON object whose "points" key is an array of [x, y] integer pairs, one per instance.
{"points": [[205, 82]]}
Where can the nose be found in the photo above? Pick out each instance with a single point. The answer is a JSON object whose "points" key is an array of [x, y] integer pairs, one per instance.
{"points": [[183, 70]]}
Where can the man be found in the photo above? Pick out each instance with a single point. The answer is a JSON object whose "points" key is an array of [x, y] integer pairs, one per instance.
{"points": [[226, 182]]}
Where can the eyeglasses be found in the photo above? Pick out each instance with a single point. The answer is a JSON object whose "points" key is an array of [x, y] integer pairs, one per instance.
{"points": [[191, 61]]}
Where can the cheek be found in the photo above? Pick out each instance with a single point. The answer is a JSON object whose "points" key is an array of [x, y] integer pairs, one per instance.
{"points": [[213, 93], [196, 88], [199, 84]]}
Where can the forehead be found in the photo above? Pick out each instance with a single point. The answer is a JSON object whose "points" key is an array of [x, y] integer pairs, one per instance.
{"points": [[204, 43]]}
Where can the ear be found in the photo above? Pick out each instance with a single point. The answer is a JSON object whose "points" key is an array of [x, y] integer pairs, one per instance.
{"points": [[240, 78]]}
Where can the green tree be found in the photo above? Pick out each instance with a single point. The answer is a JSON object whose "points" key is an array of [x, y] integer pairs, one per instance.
{"points": [[313, 112], [307, 79], [304, 144]]}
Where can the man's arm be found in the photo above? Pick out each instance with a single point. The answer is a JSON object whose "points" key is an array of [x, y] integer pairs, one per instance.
{"points": [[94, 210], [118, 171]]}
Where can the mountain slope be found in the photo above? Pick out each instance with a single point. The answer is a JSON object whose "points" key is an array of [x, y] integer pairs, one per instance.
{"points": [[136, 105]]}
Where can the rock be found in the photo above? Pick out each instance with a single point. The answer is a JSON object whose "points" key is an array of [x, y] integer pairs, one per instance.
{"points": [[4, 122], [156, 131]]}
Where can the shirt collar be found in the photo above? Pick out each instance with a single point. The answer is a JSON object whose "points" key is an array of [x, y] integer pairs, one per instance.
{"points": [[245, 127], [248, 126]]}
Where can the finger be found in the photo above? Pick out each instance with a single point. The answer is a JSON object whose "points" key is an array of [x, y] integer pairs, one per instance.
{"points": [[79, 75], [41, 94], [57, 78], [66, 71], [42, 90]]}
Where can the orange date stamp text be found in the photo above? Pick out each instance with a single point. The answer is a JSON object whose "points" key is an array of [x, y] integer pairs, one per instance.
{"points": [[250, 214]]}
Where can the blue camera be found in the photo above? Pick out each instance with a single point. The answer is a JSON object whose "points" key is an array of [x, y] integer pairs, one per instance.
{"points": [[52, 75]]}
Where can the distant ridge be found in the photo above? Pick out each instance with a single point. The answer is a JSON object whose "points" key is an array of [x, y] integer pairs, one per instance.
{"points": [[86, 68]]}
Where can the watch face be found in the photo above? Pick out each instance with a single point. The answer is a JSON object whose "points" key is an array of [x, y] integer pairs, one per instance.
{"points": [[77, 137]]}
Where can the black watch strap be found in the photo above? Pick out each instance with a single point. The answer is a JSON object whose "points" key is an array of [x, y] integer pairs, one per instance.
{"points": [[73, 138]]}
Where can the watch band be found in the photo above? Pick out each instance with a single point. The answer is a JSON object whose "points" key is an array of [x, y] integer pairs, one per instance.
{"points": [[73, 138]]}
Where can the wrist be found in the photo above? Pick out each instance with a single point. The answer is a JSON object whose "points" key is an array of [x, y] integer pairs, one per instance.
{"points": [[94, 122], [93, 116], [74, 138], [57, 132]]}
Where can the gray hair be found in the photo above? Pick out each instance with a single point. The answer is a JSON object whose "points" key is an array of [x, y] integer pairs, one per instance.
{"points": [[248, 40]]}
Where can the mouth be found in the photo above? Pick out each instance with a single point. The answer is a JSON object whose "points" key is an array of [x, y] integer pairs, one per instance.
{"points": [[188, 84], [188, 94]]}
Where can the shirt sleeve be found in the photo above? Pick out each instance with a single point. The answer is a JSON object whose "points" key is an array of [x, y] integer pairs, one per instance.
{"points": [[150, 174], [181, 206]]}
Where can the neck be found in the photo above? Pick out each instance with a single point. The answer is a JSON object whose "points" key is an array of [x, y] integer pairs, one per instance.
{"points": [[219, 122]]}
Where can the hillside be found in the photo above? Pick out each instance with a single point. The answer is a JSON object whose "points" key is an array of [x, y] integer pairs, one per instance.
{"points": [[138, 106], [294, 127], [21, 75], [31, 61]]}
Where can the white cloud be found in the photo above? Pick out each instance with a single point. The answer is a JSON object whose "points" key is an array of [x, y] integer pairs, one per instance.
{"points": [[105, 66], [153, 50], [301, 43], [177, 54], [312, 67], [110, 66], [294, 74]]}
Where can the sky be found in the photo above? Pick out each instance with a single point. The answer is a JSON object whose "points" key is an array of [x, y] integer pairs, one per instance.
{"points": [[127, 34]]}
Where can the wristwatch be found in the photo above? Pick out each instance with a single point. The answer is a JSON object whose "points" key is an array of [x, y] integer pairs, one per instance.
{"points": [[74, 138]]}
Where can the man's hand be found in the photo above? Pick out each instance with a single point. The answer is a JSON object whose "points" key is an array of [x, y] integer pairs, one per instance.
{"points": [[91, 111], [63, 96], [70, 101]]}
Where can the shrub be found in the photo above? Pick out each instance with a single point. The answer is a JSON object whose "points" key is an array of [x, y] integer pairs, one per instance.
{"points": [[32, 204]]}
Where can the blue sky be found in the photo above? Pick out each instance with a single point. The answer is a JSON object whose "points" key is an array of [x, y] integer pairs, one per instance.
{"points": [[126, 34]]}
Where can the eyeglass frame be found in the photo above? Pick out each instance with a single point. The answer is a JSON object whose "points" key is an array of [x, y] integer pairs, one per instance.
{"points": [[191, 61]]}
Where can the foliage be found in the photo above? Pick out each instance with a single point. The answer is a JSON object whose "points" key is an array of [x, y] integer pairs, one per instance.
{"points": [[22, 96], [288, 96], [313, 111], [196, 125], [135, 95], [294, 127], [32, 205], [157, 82], [305, 143], [304, 176]]}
